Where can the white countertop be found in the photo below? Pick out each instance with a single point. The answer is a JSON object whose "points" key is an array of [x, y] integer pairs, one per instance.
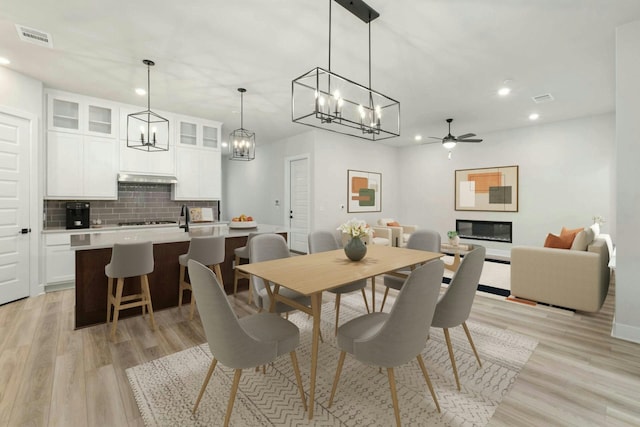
{"points": [[94, 239], [105, 228]]}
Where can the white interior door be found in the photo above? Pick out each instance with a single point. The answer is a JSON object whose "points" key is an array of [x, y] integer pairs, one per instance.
{"points": [[299, 200], [14, 207]]}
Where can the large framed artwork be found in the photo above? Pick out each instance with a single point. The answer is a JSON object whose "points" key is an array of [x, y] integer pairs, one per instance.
{"points": [[487, 189], [364, 191]]}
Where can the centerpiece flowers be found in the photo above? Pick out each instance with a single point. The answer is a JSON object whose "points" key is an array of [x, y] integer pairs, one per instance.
{"points": [[454, 239], [355, 249]]}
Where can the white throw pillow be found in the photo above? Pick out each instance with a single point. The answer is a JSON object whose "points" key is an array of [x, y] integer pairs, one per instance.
{"points": [[385, 221], [582, 240]]}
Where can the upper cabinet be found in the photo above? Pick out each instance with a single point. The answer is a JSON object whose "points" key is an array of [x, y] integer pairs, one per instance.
{"points": [[79, 114], [192, 132]]}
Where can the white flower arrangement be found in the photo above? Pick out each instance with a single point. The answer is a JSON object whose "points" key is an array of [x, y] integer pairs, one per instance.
{"points": [[356, 228], [597, 219]]}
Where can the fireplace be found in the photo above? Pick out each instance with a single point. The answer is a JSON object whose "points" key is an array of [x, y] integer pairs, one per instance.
{"points": [[495, 231]]}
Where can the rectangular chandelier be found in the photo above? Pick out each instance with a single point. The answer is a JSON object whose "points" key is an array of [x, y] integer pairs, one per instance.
{"points": [[326, 100]]}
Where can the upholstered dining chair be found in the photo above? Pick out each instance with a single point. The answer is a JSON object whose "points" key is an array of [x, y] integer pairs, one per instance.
{"points": [[423, 240], [240, 254], [322, 241], [239, 343], [454, 305], [265, 247], [395, 338], [207, 250]]}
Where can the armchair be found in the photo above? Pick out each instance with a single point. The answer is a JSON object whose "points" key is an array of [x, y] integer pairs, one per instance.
{"points": [[381, 236], [399, 232]]}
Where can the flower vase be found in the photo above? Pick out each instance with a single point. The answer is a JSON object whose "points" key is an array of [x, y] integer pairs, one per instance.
{"points": [[454, 241], [355, 249]]}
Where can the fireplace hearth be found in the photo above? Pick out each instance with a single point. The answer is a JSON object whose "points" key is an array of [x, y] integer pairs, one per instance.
{"points": [[495, 231]]}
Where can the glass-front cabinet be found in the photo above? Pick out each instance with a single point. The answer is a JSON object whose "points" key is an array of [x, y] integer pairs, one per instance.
{"points": [[72, 113], [198, 133]]}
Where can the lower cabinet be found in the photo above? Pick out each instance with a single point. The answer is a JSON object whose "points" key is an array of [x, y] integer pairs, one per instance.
{"points": [[199, 174], [60, 259]]}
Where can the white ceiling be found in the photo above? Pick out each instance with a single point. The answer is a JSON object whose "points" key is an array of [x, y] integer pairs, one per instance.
{"points": [[439, 58]]}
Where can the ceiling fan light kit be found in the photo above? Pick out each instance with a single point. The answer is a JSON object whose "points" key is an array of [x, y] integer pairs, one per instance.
{"points": [[449, 142], [242, 142], [323, 99], [146, 130]]}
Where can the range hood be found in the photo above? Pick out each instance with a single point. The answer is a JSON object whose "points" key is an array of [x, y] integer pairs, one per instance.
{"points": [[148, 179]]}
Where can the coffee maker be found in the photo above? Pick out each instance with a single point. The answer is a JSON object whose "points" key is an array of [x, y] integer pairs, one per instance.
{"points": [[77, 215]]}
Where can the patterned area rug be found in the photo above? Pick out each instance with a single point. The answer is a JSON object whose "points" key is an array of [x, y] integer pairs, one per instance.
{"points": [[165, 389]]}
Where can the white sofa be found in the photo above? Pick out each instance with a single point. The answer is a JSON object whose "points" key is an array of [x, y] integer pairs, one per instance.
{"points": [[563, 277], [399, 234], [381, 236]]}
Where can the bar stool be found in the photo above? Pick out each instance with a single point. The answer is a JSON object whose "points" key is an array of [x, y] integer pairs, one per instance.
{"points": [[242, 253], [207, 250], [129, 260]]}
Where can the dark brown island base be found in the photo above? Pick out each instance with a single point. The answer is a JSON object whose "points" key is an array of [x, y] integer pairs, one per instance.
{"points": [[93, 253]]}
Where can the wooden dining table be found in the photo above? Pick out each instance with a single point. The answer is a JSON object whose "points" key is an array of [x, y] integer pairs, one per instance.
{"points": [[313, 274]]}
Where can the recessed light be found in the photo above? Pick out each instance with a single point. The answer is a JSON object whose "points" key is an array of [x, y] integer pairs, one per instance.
{"points": [[140, 91], [504, 91], [418, 137], [534, 116], [224, 144], [4, 61]]}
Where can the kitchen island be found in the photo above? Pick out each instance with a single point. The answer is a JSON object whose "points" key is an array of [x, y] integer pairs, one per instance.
{"points": [[93, 253]]}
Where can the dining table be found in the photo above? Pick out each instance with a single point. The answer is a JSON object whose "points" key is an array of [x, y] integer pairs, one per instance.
{"points": [[313, 274]]}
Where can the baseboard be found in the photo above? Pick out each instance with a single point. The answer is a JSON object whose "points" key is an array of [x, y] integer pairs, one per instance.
{"points": [[59, 286], [625, 332]]}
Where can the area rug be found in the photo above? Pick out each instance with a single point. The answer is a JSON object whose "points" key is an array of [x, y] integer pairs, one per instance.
{"points": [[165, 389]]}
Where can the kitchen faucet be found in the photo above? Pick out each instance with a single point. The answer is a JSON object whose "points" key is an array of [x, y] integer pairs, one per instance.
{"points": [[184, 213]]}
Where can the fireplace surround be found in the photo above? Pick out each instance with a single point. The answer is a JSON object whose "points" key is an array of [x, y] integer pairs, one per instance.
{"points": [[495, 231]]}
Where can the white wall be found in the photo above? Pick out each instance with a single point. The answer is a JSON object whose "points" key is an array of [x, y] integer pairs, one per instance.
{"points": [[627, 318], [565, 178]]}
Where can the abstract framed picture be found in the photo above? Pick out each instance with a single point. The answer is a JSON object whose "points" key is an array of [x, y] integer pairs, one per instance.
{"points": [[487, 189], [364, 191]]}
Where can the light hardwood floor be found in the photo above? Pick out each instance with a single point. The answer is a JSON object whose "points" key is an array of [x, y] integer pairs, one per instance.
{"points": [[51, 375]]}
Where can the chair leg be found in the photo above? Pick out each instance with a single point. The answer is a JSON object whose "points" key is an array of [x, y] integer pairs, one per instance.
{"points": [[473, 347], [337, 378], [235, 277], [145, 284], [394, 395], [337, 312], [192, 307], [296, 369], [428, 380], [232, 397], [116, 307], [453, 360], [109, 297], [250, 293], [181, 281], [218, 271], [366, 303], [205, 383], [384, 298]]}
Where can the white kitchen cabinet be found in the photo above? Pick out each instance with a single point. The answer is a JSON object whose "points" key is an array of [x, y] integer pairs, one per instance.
{"points": [[60, 259], [81, 167], [145, 162], [71, 113], [200, 133], [199, 174]]}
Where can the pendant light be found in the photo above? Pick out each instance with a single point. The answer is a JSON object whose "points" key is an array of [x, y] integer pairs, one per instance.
{"points": [[323, 99], [146, 130], [242, 142]]}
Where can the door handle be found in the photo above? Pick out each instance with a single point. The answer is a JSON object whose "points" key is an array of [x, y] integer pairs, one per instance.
{"points": [[24, 231]]}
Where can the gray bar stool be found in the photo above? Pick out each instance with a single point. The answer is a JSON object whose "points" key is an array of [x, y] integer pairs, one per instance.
{"points": [[207, 250], [129, 260], [240, 254]]}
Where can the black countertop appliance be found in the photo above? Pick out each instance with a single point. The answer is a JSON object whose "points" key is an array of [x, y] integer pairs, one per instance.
{"points": [[77, 215]]}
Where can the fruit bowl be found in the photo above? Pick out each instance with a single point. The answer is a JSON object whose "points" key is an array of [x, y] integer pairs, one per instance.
{"points": [[243, 224]]}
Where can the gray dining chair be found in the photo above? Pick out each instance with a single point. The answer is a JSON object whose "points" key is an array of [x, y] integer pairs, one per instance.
{"points": [[454, 306], [240, 343], [395, 338], [322, 241], [207, 250], [423, 240], [267, 247], [240, 254]]}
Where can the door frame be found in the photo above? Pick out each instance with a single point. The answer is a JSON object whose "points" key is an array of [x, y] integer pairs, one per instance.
{"points": [[36, 261], [287, 187]]}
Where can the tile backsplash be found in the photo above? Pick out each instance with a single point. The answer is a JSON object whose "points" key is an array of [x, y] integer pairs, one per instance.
{"points": [[136, 202]]}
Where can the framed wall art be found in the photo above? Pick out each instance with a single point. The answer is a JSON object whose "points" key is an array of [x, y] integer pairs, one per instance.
{"points": [[487, 189], [364, 191]]}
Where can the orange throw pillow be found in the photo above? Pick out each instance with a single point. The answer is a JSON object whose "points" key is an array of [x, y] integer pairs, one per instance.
{"points": [[558, 242], [393, 224]]}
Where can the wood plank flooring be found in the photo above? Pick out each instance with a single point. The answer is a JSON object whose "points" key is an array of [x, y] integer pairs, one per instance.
{"points": [[51, 375]]}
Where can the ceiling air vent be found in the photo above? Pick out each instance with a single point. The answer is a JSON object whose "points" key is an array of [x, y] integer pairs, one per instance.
{"points": [[31, 35], [539, 99]]}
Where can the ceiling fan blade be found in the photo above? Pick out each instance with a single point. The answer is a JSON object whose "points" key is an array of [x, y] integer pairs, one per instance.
{"points": [[469, 140], [431, 142], [466, 135], [435, 137]]}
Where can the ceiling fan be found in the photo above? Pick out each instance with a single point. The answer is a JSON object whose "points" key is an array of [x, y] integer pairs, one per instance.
{"points": [[450, 141]]}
